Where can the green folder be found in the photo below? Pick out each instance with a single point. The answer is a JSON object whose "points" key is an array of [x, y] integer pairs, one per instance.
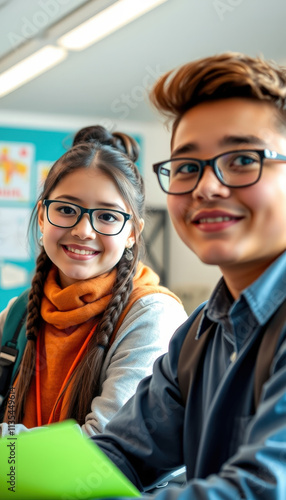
{"points": [[58, 462]]}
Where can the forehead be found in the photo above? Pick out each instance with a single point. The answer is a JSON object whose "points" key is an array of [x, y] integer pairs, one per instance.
{"points": [[90, 185], [223, 124], [84, 176]]}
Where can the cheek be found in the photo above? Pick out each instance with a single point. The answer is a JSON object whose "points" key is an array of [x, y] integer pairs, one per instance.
{"points": [[178, 207], [52, 234], [265, 200], [113, 245]]}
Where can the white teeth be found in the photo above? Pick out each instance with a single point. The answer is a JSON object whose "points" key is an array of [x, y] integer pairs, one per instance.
{"points": [[80, 252], [214, 219]]}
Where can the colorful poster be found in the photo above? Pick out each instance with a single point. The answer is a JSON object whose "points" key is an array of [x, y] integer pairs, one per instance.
{"points": [[22, 152], [13, 233], [43, 168], [16, 161]]}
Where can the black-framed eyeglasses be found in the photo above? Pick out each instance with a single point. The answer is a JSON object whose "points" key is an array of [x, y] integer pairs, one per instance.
{"points": [[234, 169], [103, 221]]}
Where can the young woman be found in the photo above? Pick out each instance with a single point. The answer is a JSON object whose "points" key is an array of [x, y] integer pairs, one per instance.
{"points": [[97, 317]]}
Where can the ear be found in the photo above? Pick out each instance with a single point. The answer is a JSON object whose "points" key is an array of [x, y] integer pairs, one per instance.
{"points": [[131, 238], [41, 213], [142, 224]]}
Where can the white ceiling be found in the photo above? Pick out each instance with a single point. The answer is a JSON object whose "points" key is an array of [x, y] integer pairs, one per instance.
{"points": [[111, 78]]}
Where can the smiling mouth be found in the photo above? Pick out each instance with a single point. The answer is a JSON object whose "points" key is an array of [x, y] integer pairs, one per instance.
{"points": [[80, 252], [205, 220]]}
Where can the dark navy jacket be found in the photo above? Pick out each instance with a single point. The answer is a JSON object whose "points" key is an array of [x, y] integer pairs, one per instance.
{"points": [[231, 449]]}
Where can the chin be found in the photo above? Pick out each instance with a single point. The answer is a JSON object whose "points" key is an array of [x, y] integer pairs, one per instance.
{"points": [[216, 257], [71, 278]]}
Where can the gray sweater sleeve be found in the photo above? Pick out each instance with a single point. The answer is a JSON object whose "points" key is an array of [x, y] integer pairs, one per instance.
{"points": [[143, 336]]}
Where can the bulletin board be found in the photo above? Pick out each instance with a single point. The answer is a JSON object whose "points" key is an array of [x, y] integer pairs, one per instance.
{"points": [[26, 155]]}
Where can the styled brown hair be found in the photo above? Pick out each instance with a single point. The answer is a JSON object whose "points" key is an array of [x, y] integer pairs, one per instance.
{"points": [[221, 76], [114, 154]]}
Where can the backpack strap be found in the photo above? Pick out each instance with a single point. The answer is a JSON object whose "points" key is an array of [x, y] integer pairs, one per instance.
{"points": [[268, 349], [13, 342], [193, 352]]}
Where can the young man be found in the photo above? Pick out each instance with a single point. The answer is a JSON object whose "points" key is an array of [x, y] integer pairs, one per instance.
{"points": [[226, 182]]}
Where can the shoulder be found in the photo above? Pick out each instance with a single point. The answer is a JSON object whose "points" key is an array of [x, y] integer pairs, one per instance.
{"points": [[159, 308], [14, 310], [18, 303], [160, 301], [4, 313], [150, 322]]}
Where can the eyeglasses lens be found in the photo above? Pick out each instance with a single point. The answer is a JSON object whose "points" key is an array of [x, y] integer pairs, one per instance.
{"points": [[235, 169], [67, 215]]}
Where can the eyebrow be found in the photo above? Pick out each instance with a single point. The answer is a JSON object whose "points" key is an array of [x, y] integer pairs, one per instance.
{"points": [[104, 204], [228, 140], [242, 139]]}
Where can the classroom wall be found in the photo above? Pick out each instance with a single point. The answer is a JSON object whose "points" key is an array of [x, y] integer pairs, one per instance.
{"points": [[186, 272]]}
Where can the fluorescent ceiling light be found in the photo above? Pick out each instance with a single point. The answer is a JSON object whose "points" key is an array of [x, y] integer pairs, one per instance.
{"points": [[29, 68], [106, 22]]}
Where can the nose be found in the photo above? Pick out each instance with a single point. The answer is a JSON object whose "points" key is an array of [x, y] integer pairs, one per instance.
{"points": [[209, 186], [83, 229]]}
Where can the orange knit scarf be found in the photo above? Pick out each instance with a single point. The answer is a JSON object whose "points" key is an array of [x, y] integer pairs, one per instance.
{"points": [[71, 315]]}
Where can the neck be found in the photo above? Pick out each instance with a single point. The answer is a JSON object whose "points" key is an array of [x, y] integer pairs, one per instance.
{"points": [[242, 276]]}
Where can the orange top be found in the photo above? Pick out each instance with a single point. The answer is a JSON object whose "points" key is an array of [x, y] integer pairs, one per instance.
{"points": [[71, 316]]}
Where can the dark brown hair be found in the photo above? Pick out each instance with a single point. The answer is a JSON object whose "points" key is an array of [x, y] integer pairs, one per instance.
{"points": [[221, 76], [114, 154]]}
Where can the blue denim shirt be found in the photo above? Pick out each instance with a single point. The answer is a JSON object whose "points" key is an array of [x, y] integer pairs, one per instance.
{"points": [[254, 307], [231, 450], [241, 319]]}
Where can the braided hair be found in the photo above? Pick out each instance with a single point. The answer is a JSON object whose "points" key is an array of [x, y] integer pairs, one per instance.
{"points": [[114, 154]]}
